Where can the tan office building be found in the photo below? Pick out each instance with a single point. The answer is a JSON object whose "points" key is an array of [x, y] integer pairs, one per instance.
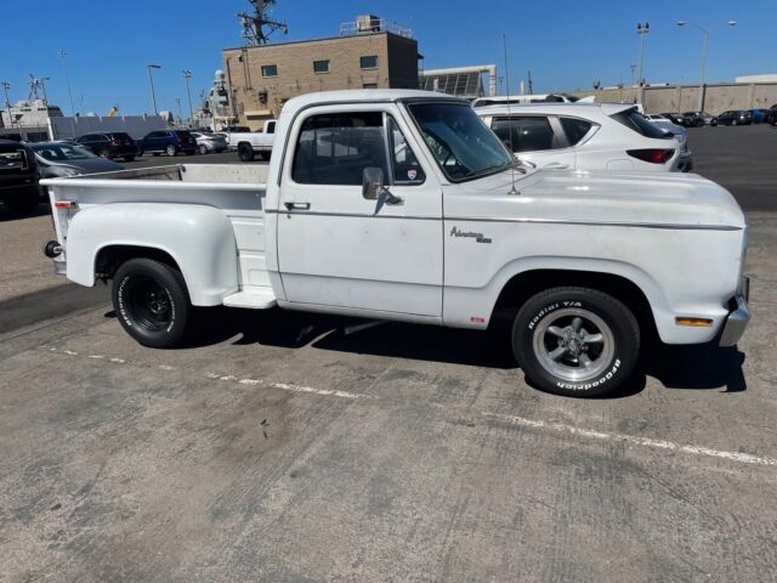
{"points": [[262, 78]]}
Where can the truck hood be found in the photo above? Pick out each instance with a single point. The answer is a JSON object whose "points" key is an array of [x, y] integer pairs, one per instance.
{"points": [[634, 198]]}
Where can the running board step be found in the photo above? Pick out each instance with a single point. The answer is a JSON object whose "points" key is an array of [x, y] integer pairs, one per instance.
{"points": [[258, 298]]}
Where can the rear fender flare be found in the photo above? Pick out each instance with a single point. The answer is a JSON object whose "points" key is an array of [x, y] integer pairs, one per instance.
{"points": [[200, 240]]}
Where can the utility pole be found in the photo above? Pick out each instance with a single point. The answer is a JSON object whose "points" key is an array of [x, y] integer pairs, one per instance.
{"points": [[187, 74], [62, 55]]}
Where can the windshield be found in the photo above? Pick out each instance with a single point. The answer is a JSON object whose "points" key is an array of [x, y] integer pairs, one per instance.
{"points": [[462, 144], [61, 152]]}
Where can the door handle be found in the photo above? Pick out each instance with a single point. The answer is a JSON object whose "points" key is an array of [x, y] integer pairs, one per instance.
{"points": [[298, 206]]}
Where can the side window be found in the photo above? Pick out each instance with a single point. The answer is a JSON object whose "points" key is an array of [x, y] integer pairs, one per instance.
{"points": [[575, 129], [336, 148], [524, 134], [405, 166]]}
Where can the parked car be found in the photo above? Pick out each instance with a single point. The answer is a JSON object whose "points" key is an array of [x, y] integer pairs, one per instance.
{"points": [[676, 117], [735, 117], [772, 115], [760, 115], [686, 161], [210, 142], [110, 145], [584, 136], [169, 142], [699, 118], [18, 178], [67, 159]]}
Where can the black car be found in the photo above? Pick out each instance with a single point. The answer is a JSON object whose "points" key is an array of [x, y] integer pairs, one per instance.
{"points": [[18, 178], [677, 118], [771, 117], [734, 117], [169, 142], [110, 145]]}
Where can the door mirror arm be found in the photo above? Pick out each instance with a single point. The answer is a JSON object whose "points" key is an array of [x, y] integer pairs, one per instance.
{"points": [[374, 189]]}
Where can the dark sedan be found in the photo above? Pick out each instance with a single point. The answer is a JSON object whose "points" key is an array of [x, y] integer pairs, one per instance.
{"points": [[68, 159], [735, 117]]}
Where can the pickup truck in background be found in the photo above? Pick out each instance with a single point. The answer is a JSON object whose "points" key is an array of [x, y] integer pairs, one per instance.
{"points": [[403, 205], [251, 144], [18, 178]]}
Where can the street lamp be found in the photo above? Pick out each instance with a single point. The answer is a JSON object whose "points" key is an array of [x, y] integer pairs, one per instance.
{"points": [[151, 81], [642, 30], [187, 74], [705, 33], [62, 55]]}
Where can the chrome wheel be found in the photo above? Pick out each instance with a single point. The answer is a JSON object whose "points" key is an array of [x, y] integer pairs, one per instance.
{"points": [[574, 344]]}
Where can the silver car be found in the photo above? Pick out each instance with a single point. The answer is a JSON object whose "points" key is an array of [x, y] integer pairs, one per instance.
{"points": [[208, 142]]}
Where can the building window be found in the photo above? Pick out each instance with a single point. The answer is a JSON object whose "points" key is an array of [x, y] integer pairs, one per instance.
{"points": [[269, 70], [370, 62], [321, 66]]}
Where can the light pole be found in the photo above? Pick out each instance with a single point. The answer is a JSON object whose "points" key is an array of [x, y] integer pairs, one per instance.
{"points": [[62, 55], [42, 82], [705, 33], [187, 74], [642, 30], [6, 87], [151, 81]]}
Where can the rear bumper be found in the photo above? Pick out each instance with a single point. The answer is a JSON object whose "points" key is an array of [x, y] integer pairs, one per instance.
{"points": [[738, 318]]}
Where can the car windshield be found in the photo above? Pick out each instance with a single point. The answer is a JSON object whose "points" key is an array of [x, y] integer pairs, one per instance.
{"points": [[61, 152], [461, 143]]}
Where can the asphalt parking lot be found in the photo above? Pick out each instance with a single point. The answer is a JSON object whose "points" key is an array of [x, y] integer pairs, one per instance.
{"points": [[284, 447]]}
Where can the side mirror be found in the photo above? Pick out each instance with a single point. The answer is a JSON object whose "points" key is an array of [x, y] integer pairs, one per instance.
{"points": [[372, 182]]}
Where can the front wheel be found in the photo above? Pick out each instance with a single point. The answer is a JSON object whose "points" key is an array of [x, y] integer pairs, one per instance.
{"points": [[576, 341], [171, 150], [151, 302], [203, 149]]}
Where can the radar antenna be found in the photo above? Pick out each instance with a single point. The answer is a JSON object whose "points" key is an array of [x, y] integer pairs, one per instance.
{"points": [[257, 28]]}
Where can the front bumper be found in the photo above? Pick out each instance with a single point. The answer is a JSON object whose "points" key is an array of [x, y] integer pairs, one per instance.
{"points": [[738, 318]]}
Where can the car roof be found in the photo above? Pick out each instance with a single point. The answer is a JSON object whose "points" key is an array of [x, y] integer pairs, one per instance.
{"points": [[581, 109]]}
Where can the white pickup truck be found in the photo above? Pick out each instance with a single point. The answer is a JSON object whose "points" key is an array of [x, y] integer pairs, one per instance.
{"points": [[249, 144], [403, 205]]}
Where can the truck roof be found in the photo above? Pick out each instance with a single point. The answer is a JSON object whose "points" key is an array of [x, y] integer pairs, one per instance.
{"points": [[364, 95]]}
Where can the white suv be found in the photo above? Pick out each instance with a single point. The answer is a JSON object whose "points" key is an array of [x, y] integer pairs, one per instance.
{"points": [[586, 136]]}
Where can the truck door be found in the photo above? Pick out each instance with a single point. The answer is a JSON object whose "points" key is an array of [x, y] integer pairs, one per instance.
{"points": [[336, 248]]}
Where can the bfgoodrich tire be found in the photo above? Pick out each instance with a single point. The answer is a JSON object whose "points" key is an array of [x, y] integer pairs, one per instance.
{"points": [[576, 341], [151, 302]]}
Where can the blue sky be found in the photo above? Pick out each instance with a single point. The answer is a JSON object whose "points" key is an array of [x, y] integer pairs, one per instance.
{"points": [[567, 45]]}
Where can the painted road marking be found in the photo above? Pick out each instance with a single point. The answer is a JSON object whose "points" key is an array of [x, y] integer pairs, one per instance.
{"points": [[743, 458]]}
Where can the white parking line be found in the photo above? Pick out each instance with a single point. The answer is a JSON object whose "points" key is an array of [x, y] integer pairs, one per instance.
{"points": [[226, 378], [743, 458]]}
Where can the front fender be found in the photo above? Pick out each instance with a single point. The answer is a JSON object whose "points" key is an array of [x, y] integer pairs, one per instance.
{"points": [[200, 239], [465, 306]]}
